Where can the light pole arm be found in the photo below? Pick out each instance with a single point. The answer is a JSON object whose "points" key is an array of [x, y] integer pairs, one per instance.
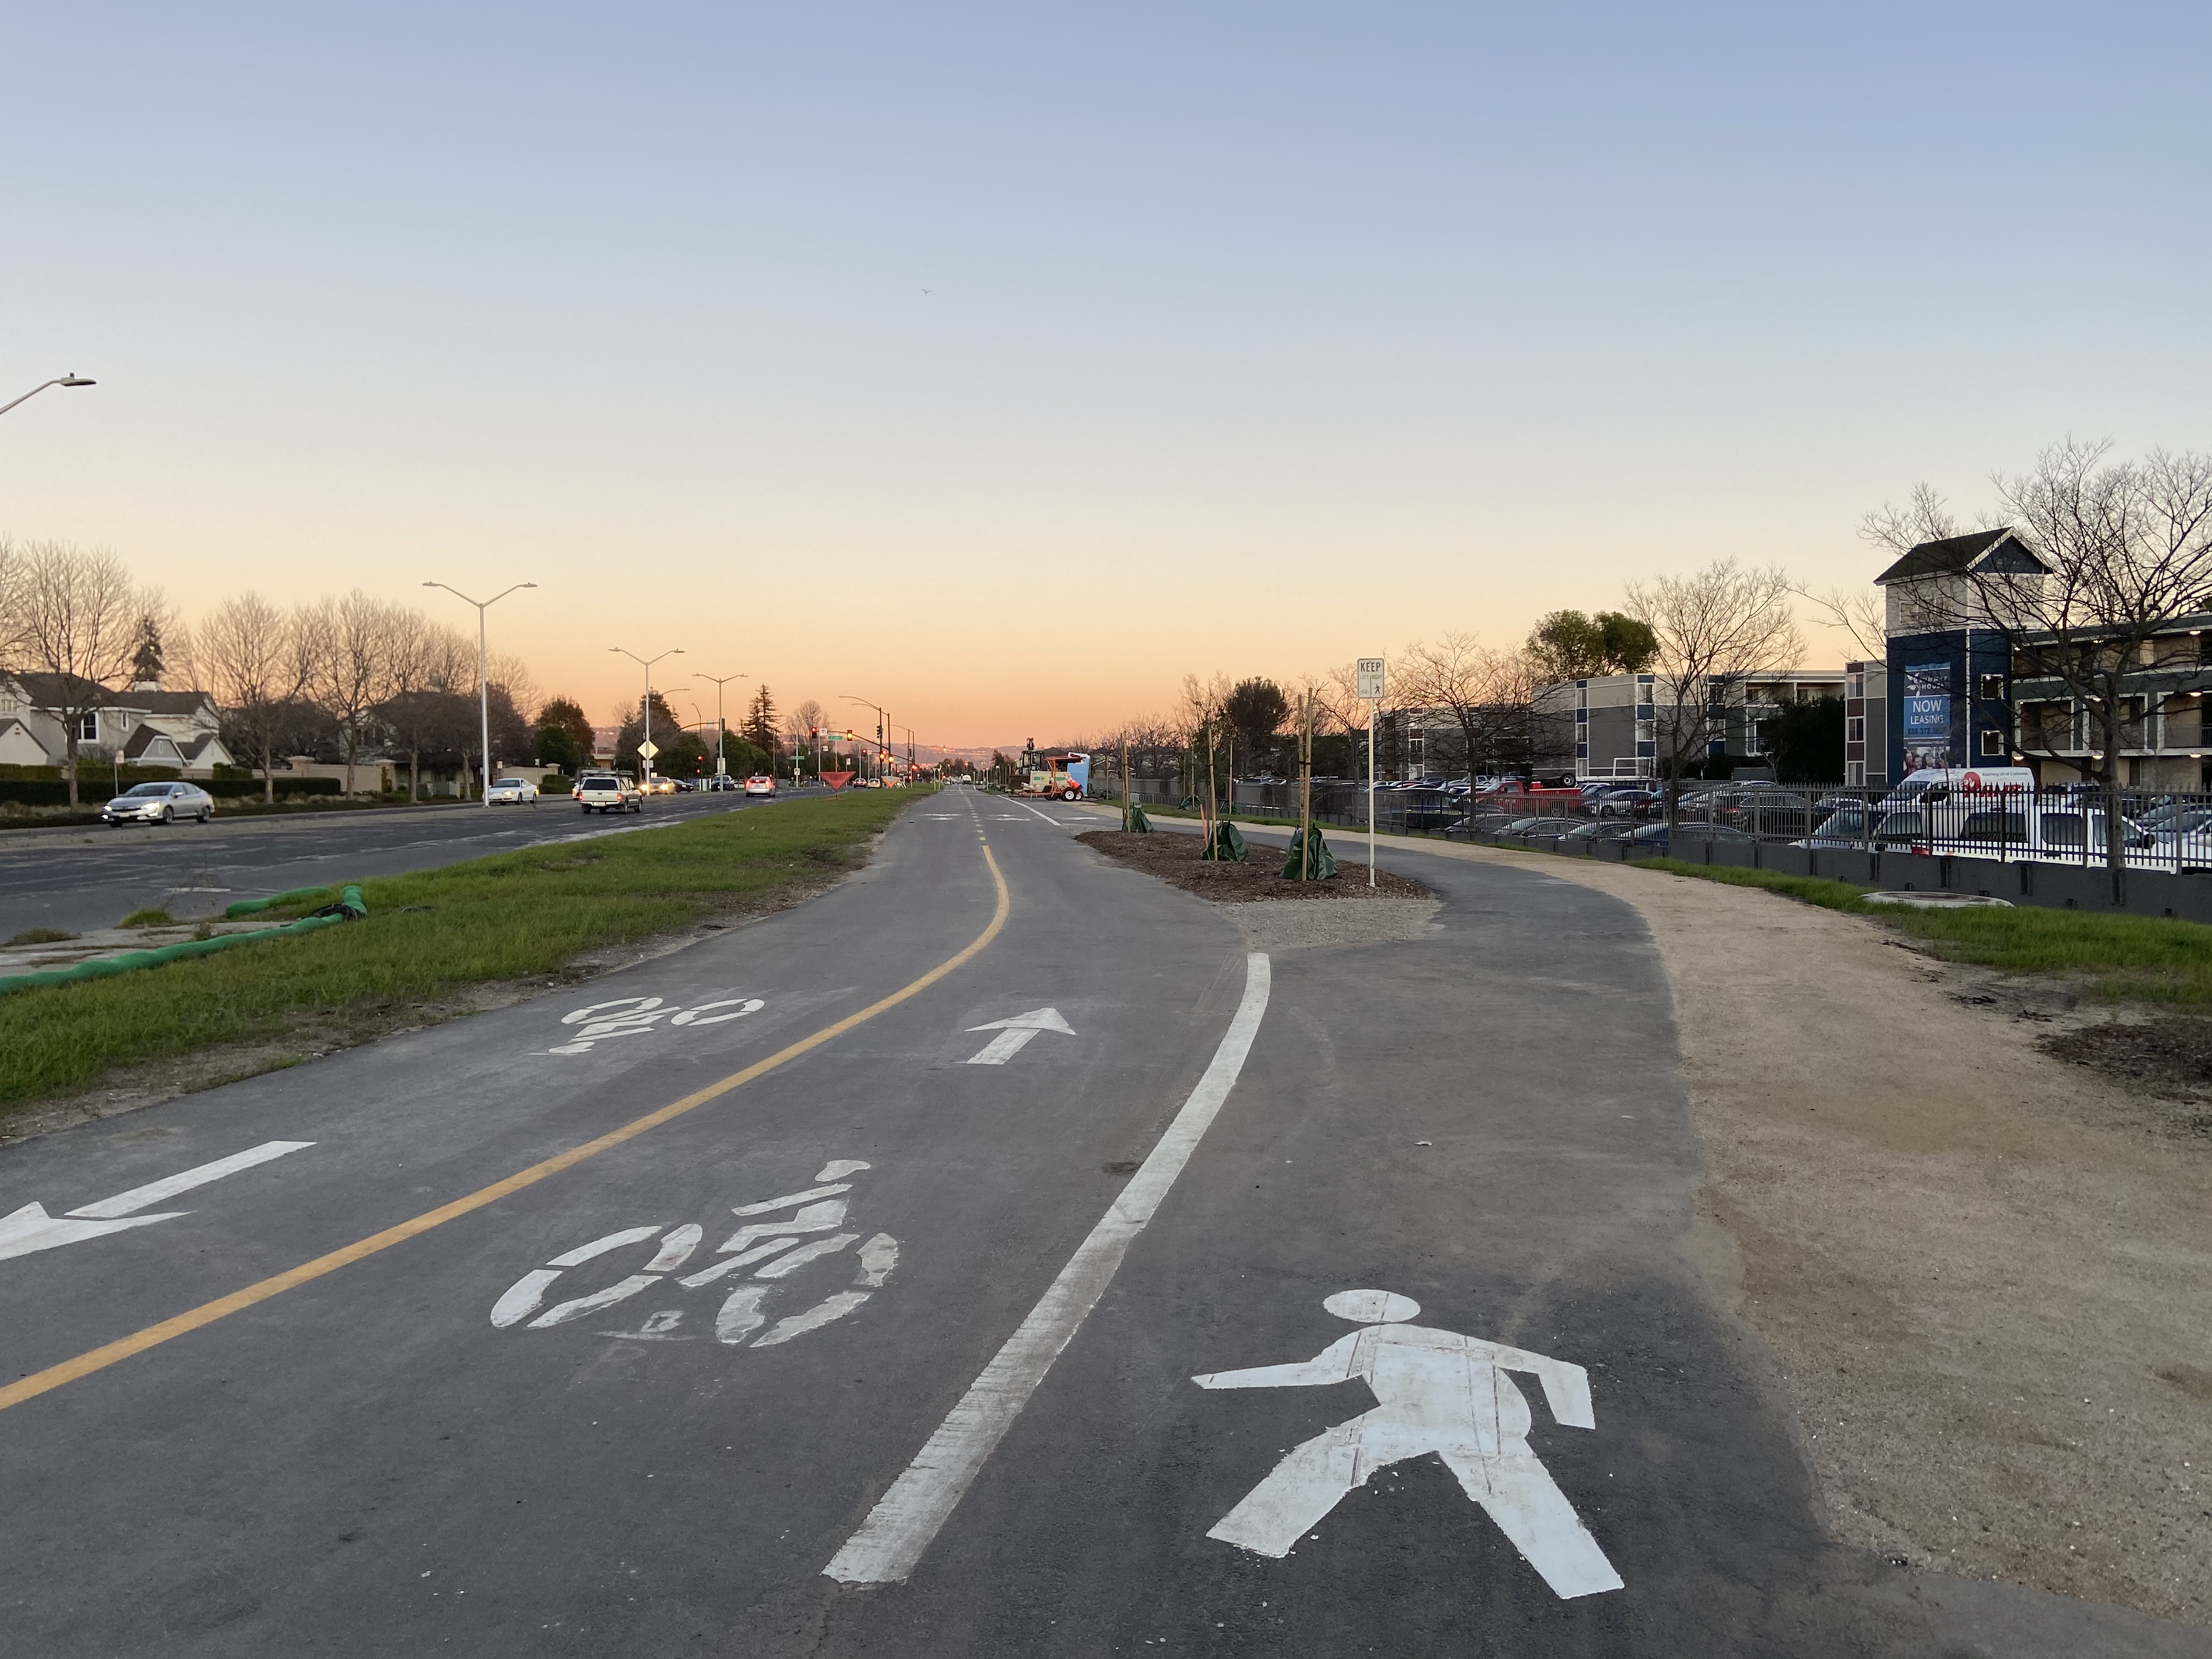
{"points": [[61, 380]]}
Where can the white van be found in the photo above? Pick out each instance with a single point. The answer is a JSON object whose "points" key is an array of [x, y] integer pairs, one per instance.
{"points": [[1931, 784]]}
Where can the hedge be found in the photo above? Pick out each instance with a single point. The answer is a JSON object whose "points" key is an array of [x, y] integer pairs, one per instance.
{"points": [[93, 790]]}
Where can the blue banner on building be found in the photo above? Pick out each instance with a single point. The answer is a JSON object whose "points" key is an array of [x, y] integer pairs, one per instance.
{"points": [[1928, 714]]}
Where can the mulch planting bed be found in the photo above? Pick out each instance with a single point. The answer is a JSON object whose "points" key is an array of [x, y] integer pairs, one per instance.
{"points": [[1175, 860], [2171, 1058]]}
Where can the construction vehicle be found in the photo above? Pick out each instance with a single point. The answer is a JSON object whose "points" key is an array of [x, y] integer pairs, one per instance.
{"points": [[1060, 774]]}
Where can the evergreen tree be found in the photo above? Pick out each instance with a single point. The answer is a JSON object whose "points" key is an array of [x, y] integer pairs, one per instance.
{"points": [[759, 727]]}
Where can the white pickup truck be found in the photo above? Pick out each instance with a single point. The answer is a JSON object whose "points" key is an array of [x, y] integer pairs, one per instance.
{"points": [[608, 791]]}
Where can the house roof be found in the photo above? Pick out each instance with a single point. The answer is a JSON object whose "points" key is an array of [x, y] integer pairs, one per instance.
{"points": [[75, 691], [193, 751], [146, 737], [1953, 556]]}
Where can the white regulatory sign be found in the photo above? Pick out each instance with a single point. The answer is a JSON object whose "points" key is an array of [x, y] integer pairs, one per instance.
{"points": [[1369, 675]]}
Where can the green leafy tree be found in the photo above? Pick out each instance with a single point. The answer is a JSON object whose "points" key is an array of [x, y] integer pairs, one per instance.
{"points": [[563, 736], [665, 728], [1805, 741], [1255, 710], [1566, 645]]}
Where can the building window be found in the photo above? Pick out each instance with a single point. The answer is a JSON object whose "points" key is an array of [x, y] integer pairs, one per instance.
{"points": [[1854, 729], [1993, 745], [1855, 774], [1993, 687], [88, 727], [1854, 685]]}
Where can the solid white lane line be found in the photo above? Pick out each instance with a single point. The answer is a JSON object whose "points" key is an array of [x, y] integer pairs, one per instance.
{"points": [[1026, 807], [891, 1540], [155, 1192]]}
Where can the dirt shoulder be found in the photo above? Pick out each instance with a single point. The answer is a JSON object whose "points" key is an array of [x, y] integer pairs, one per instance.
{"points": [[1982, 1270]]}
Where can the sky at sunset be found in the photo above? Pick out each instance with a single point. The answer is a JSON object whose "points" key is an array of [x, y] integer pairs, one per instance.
{"points": [[1003, 364]]}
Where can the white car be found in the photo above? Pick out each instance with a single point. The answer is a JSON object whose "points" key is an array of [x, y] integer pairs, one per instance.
{"points": [[511, 791], [759, 784], [608, 791], [159, 803]]}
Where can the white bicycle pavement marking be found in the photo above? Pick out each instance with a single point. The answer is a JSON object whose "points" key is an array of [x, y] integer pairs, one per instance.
{"points": [[1016, 1034], [777, 1243], [635, 1016], [891, 1540], [31, 1229], [1438, 1392]]}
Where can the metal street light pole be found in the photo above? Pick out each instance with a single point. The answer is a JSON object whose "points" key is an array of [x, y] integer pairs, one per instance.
{"points": [[484, 677], [66, 379], [721, 766], [883, 721], [645, 711]]}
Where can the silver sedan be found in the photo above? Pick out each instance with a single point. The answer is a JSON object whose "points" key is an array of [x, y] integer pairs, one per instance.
{"points": [[159, 803]]}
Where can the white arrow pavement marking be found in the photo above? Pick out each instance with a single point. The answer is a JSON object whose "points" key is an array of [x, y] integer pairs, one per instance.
{"points": [[31, 1229], [1016, 1034], [891, 1541]]}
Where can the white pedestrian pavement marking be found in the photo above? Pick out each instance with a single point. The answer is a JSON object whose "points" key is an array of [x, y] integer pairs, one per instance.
{"points": [[1016, 1034], [782, 1245], [1440, 1391], [30, 1229], [891, 1540]]}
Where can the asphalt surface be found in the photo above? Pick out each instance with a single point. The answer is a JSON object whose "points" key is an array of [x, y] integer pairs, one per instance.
{"points": [[76, 880], [1487, 1120]]}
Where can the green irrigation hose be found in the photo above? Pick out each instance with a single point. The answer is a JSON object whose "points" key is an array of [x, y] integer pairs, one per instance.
{"points": [[347, 907], [247, 906]]}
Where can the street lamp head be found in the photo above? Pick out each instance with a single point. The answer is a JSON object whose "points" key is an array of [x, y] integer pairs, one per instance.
{"points": [[77, 380]]}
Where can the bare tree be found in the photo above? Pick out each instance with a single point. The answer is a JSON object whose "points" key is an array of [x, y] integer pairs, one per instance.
{"points": [[428, 667], [258, 662], [509, 673], [1714, 629], [1490, 695], [349, 645], [14, 600], [80, 630], [2122, 551]]}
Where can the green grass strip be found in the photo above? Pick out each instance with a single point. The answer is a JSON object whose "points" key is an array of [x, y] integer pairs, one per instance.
{"points": [[508, 916], [2115, 956]]}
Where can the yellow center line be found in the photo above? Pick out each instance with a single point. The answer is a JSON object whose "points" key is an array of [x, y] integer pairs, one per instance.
{"points": [[207, 1313]]}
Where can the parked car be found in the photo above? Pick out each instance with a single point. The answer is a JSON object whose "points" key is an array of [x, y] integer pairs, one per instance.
{"points": [[511, 791], [158, 803], [1654, 838], [1628, 803], [760, 784], [1600, 830], [609, 791]]}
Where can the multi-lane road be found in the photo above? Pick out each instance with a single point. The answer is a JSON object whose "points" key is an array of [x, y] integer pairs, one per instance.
{"points": [[992, 1256], [77, 880]]}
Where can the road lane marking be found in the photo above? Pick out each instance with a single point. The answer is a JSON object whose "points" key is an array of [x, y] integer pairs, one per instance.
{"points": [[1435, 1391], [1015, 1035], [97, 1359], [891, 1540]]}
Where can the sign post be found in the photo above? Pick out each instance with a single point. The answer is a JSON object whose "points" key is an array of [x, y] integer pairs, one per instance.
{"points": [[1368, 684]]}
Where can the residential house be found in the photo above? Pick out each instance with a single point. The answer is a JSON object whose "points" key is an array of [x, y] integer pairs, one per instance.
{"points": [[143, 726]]}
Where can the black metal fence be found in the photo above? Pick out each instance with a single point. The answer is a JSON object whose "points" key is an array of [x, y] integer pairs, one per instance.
{"points": [[2067, 826]]}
